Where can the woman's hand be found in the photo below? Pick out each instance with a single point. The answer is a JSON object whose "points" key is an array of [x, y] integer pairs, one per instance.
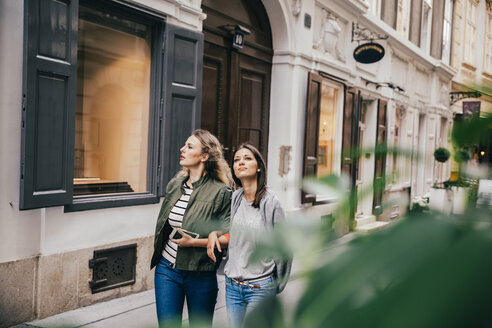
{"points": [[185, 241], [213, 241]]}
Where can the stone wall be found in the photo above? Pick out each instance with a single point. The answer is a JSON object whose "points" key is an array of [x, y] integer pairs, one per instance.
{"points": [[43, 286]]}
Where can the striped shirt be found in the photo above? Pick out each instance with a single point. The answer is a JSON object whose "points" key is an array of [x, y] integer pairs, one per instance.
{"points": [[175, 220]]}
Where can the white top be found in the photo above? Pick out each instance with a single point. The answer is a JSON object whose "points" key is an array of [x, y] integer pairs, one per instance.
{"points": [[247, 227], [175, 220]]}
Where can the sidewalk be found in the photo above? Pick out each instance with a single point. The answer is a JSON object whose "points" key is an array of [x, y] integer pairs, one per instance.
{"points": [[138, 310]]}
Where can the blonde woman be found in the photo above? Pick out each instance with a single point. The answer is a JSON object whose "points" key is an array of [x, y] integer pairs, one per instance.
{"points": [[197, 201]]}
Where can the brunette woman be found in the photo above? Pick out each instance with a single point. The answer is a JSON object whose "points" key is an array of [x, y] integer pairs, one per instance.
{"points": [[254, 209], [197, 201]]}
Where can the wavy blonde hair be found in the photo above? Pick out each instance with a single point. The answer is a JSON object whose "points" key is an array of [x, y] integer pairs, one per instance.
{"points": [[215, 166]]}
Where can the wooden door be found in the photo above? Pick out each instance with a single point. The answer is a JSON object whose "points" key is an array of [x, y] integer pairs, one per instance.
{"points": [[350, 134], [215, 90], [248, 120], [236, 83]]}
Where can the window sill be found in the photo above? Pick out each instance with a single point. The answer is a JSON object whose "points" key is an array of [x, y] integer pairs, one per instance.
{"points": [[99, 202]]}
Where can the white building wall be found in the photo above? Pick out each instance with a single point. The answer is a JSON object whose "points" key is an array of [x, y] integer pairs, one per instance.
{"points": [[19, 231], [404, 64]]}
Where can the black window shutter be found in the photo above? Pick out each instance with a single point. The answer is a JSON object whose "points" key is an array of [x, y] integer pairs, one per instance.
{"points": [[380, 165], [310, 163], [183, 62], [48, 113]]}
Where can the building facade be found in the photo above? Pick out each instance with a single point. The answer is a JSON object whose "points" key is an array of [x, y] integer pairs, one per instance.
{"points": [[472, 59], [98, 96]]}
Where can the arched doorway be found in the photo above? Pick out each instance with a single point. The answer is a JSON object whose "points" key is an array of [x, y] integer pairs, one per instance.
{"points": [[236, 82]]}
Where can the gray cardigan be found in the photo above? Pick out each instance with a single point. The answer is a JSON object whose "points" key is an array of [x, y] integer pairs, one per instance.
{"points": [[271, 213]]}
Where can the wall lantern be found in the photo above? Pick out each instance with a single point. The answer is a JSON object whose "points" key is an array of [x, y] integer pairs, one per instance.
{"points": [[238, 34]]}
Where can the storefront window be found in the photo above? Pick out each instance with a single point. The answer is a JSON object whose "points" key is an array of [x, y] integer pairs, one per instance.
{"points": [[112, 112], [327, 130], [324, 122]]}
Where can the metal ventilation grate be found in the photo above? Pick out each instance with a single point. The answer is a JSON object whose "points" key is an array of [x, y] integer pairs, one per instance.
{"points": [[113, 268]]}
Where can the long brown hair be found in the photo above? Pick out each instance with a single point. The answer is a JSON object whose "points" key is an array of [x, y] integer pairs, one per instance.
{"points": [[261, 177], [215, 166]]}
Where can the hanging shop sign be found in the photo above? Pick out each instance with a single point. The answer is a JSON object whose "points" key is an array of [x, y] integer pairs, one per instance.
{"points": [[368, 53]]}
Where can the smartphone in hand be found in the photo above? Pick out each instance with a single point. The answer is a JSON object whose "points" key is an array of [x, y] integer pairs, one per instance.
{"points": [[176, 235]]}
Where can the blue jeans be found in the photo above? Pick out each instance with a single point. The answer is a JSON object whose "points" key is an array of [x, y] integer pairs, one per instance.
{"points": [[171, 287], [241, 299]]}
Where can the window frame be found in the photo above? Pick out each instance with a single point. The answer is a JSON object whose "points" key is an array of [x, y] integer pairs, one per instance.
{"points": [[156, 23], [314, 114]]}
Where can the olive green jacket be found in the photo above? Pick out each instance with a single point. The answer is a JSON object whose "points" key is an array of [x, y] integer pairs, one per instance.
{"points": [[209, 209]]}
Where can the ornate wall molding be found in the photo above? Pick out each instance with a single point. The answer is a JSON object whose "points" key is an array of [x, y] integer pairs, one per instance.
{"points": [[329, 35]]}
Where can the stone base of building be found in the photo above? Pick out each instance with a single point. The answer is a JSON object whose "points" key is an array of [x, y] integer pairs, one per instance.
{"points": [[46, 285]]}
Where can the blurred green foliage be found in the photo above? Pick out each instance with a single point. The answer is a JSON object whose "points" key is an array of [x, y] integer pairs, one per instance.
{"points": [[461, 155], [468, 132], [424, 270]]}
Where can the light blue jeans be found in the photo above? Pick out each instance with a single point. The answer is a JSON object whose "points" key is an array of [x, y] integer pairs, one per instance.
{"points": [[241, 299]]}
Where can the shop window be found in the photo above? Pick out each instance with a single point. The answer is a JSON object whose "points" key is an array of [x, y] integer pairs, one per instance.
{"points": [[327, 130], [321, 143], [108, 95], [112, 110]]}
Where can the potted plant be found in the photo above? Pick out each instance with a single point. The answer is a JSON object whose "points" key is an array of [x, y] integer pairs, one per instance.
{"points": [[440, 195]]}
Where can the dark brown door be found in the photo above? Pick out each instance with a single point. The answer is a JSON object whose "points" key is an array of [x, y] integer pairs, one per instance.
{"points": [[236, 82], [350, 134]]}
